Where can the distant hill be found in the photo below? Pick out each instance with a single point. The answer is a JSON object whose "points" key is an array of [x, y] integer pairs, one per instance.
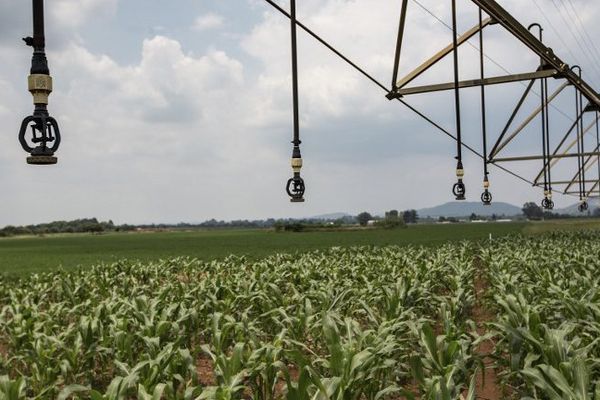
{"points": [[331, 216], [464, 209]]}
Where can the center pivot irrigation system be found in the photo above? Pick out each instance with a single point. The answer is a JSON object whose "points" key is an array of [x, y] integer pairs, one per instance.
{"points": [[43, 139]]}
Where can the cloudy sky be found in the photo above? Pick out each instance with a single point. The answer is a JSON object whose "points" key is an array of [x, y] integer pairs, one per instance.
{"points": [[181, 110]]}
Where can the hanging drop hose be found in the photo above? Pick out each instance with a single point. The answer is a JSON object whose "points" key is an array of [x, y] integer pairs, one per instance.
{"points": [[548, 160], [583, 206], [578, 131], [459, 189], [486, 196], [547, 202], [295, 186]]}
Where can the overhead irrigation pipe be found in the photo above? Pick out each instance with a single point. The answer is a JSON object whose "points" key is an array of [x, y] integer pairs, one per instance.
{"points": [[45, 134], [387, 91]]}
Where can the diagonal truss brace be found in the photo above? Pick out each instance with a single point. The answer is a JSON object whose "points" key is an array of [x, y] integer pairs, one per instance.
{"points": [[502, 144], [414, 74]]}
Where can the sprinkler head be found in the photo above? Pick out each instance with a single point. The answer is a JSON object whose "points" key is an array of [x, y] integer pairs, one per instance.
{"points": [[486, 198], [459, 190], [295, 189], [547, 203], [583, 207], [44, 138]]}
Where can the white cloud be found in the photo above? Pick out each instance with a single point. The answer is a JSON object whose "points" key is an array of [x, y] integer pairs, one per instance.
{"points": [[74, 13], [178, 134], [208, 21]]}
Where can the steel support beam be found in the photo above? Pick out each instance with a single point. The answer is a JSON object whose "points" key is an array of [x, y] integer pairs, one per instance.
{"points": [[478, 82]]}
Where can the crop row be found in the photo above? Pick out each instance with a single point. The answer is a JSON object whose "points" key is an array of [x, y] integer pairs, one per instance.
{"points": [[546, 292], [361, 323]]}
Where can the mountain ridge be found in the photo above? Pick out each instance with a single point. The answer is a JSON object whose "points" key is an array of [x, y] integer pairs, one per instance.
{"points": [[465, 209]]}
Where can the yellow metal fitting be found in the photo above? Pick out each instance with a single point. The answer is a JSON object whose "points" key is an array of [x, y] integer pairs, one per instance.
{"points": [[40, 87], [460, 173], [486, 184], [296, 164]]}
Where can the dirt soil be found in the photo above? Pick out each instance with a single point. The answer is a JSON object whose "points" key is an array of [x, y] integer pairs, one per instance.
{"points": [[204, 369], [488, 387]]}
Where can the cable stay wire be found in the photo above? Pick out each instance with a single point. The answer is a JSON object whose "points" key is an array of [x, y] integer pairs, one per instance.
{"points": [[589, 52], [558, 35], [581, 29], [596, 71], [591, 41], [387, 90], [489, 58]]}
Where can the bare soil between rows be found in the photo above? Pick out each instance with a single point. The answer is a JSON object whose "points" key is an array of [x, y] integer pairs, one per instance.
{"points": [[488, 387]]}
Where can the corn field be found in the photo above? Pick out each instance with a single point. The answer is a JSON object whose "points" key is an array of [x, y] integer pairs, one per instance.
{"points": [[359, 323]]}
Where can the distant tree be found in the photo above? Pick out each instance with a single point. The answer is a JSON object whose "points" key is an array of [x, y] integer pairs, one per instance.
{"points": [[392, 220], [392, 215], [363, 218], [597, 212], [410, 216], [473, 217], [532, 211]]}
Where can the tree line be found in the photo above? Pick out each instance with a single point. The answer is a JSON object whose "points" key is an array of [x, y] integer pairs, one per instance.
{"points": [[85, 225], [392, 218], [534, 212]]}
